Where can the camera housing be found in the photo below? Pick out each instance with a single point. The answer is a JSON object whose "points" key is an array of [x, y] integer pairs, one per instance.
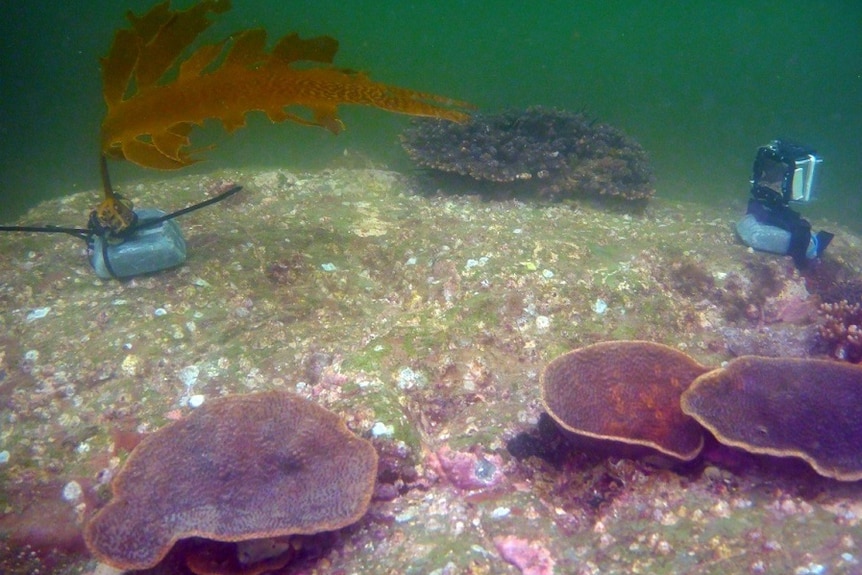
{"points": [[784, 172], [149, 248]]}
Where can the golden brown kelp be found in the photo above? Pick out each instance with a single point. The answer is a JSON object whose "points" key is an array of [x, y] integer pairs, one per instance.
{"points": [[153, 102]]}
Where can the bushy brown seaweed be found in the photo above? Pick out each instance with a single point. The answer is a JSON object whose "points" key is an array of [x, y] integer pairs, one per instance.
{"points": [[553, 153]]}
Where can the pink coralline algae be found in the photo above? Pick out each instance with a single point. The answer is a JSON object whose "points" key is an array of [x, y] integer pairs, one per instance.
{"points": [[530, 557], [841, 330], [467, 470]]}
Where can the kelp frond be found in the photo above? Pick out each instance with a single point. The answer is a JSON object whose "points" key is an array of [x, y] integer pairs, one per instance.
{"points": [[153, 103]]}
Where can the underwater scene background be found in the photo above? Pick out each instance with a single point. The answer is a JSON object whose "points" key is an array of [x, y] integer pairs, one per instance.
{"points": [[698, 84], [465, 336]]}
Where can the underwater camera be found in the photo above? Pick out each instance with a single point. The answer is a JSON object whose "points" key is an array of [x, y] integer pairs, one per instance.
{"points": [[152, 241], [784, 172]]}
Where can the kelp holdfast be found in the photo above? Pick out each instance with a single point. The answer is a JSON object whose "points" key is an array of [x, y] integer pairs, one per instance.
{"points": [[151, 244]]}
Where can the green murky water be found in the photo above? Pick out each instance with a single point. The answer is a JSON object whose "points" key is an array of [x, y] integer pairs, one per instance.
{"points": [[700, 84]]}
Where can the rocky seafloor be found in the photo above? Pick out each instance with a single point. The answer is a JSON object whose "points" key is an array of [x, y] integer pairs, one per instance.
{"points": [[424, 320]]}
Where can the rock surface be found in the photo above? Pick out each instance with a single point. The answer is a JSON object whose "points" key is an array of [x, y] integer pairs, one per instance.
{"points": [[424, 323]]}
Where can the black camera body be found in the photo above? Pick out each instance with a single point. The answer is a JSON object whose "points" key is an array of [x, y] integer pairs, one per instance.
{"points": [[784, 172]]}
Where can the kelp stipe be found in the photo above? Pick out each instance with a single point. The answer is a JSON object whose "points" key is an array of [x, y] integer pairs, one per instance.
{"points": [[152, 243]]}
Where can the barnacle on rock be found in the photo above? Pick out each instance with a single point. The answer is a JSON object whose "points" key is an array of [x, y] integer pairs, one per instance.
{"points": [[552, 153]]}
